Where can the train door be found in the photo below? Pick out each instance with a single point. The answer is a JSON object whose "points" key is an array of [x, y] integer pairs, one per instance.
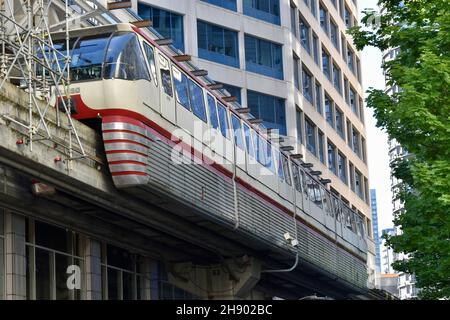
{"points": [[167, 101], [251, 152], [151, 90]]}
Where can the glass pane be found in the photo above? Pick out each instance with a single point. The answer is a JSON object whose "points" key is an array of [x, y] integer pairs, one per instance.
{"points": [[128, 286], [181, 88], [61, 264], [151, 61], [214, 121], [53, 237], [237, 129], [113, 284], [223, 119], [120, 258], [197, 100], [43, 283], [87, 58], [124, 58], [166, 79]]}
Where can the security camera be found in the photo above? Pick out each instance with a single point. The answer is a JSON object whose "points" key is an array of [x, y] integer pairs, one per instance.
{"points": [[288, 237], [294, 243]]}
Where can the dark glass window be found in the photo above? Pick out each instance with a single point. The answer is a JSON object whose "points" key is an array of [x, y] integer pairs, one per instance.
{"points": [[350, 57], [197, 100], [269, 108], [124, 58], [334, 34], [340, 122], [166, 79], [263, 57], [353, 101], [316, 48], [332, 158], [217, 44], [248, 140], [227, 4], [52, 237], [337, 78], [342, 167], [120, 258], [298, 116], [149, 52], [323, 16], [329, 110], [295, 62], [168, 24], [310, 136], [87, 58], [318, 101], [326, 64], [214, 121], [267, 10], [321, 147], [305, 30], [307, 85]]}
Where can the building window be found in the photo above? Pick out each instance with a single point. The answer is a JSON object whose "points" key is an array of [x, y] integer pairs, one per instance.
{"points": [[295, 62], [339, 122], [334, 34], [263, 57], [326, 64], [294, 20], [329, 110], [352, 176], [307, 85], [49, 251], [342, 167], [337, 78], [227, 4], [350, 57], [269, 108], [310, 128], [305, 31], [347, 17], [321, 147], [318, 100], [299, 123], [332, 157], [323, 16], [266, 10], [349, 134], [356, 142], [217, 44], [343, 47], [168, 24], [237, 130], [316, 48], [358, 184], [353, 101], [346, 85], [358, 70], [233, 91]]}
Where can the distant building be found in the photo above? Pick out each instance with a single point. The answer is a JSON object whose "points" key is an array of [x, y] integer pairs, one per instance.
{"points": [[389, 282], [376, 236], [388, 256]]}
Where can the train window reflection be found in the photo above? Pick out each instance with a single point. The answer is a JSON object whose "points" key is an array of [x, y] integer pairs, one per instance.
{"points": [[212, 112], [248, 140], [286, 169], [181, 87], [149, 52], [197, 100], [223, 119], [166, 79], [124, 58], [279, 165], [237, 129], [87, 58]]}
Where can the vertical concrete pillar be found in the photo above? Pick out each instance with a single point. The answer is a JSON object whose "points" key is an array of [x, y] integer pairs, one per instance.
{"points": [[15, 256], [93, 273], [146, 279]]}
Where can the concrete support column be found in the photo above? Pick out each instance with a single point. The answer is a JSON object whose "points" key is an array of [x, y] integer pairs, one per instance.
{"points": [[93, 273], [147, 279], [15, 254]]}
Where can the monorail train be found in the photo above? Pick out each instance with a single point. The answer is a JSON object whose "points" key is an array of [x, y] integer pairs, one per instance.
{"points": [[165, 132]]}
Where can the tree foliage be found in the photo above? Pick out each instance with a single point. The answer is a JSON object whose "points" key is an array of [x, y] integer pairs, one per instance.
{"points": [[418, 117]]}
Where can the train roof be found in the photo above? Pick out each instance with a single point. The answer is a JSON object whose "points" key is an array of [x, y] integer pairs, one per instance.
{"points": [[96, 30]]}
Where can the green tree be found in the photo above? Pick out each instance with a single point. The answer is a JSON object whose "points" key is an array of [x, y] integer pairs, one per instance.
{"points": [[418, 117]]}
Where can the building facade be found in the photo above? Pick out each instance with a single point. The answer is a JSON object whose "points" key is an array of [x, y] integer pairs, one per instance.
{"points": [[388, 256], [376, 236], [294, 66]]}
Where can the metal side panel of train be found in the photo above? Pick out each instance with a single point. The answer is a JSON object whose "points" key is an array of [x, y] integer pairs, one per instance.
{"points": [[139, 156]]}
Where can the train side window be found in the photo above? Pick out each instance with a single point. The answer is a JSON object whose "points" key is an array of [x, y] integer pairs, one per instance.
{"points": [[260, 149], [166, 79], [181, 87], [213, 112], [296, 175], [197, 100], [237, 130], [223, 120], [280, 168], [286, 170], [269, 158], [248, 140], [124, 58], [149, 52]]}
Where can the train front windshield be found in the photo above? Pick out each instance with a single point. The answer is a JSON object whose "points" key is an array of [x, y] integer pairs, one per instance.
{"points": [[116, 56]]}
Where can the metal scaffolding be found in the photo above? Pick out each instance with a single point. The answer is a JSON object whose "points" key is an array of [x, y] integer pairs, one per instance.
{"points": [[30, 60]]}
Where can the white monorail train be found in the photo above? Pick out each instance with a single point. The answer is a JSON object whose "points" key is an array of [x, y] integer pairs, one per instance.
{"points": [[150, 105]]}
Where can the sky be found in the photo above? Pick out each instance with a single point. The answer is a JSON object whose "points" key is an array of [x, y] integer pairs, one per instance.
{"points": [[377, 140]]}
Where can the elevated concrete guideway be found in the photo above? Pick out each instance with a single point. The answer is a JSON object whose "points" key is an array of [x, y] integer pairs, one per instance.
{"points": [[193, 247]]}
